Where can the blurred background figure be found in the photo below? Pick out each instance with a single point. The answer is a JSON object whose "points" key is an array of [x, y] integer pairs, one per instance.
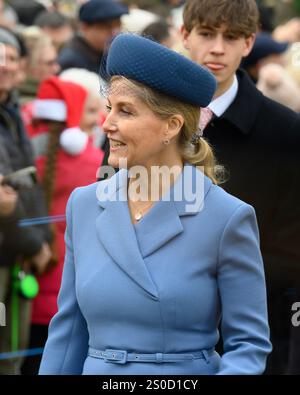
{"points": [[266, 16], [41, 62], [28, 245], [8, 17], [137, 19], [99, 22], [27, 10], [21, 74], [265, 50], [65, 159], [163, 33], [158, 7], [95, 106], [56, 26], [276, 83], [292, 60], [289, 31], [9, 214]]}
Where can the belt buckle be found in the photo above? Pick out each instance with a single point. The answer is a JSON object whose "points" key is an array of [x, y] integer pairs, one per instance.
{"points": [[115, 356]]}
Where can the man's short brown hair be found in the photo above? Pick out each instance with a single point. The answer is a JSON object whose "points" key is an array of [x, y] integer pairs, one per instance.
{"points": [[240, 16]]}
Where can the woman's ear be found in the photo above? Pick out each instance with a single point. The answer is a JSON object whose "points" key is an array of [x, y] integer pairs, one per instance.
{"points": [[175, 124]]}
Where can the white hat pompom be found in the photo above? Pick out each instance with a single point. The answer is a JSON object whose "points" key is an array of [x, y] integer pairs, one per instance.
{"points": [[73, 140]]}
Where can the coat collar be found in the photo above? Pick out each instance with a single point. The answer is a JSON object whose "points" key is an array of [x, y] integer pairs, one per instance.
{"points": [[129, 244], [246, 106], [115, 189]]}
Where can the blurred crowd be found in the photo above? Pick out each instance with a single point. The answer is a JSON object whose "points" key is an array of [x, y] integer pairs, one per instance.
{"points": [[51, 116]]}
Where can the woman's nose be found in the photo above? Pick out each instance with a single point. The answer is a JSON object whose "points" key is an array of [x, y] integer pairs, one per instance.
{"points": [[109, 124]]}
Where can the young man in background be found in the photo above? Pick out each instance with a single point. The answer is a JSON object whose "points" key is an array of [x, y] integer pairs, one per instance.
{"points": [[258, 141]]}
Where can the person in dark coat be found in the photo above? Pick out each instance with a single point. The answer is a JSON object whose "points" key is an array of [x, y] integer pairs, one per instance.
{"points": [[8, 204], [9, 207], [258, 141], [27, 11], [17, 244], [99, 22]]}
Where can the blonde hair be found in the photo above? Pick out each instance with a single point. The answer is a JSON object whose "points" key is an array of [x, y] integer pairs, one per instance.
{"points": [[36, 41], [163, 106]]}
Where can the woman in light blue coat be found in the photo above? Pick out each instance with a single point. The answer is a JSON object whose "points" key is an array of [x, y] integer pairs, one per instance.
{"points": [[155, 265]]}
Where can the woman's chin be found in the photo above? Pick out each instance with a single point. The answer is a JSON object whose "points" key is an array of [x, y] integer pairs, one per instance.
{"points": [[117, 162]]}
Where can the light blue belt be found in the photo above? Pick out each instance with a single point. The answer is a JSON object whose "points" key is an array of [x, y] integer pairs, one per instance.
{"points": [[122, 356]]}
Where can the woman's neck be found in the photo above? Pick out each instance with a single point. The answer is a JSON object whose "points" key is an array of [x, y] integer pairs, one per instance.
{"points": [[151, 182]]}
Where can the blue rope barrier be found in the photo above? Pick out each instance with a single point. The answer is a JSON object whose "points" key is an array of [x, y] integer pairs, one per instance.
{"points": [[21, 353], [41, 220]]}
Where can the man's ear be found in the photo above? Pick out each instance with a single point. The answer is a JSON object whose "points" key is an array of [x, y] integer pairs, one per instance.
{"points": [[249, 42], [184, 36]]}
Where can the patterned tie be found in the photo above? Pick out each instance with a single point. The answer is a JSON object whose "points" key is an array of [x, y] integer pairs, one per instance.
{"points": [[205, 117]]}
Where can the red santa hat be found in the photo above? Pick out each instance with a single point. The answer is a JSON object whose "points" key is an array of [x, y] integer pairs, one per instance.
{"points": [[63, 101]]}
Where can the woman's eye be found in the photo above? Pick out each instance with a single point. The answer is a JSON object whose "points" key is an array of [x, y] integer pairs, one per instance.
{"points": [[124, 111]]}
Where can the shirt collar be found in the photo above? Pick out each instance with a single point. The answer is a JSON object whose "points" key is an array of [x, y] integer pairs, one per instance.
{"points": [[219, 105]]}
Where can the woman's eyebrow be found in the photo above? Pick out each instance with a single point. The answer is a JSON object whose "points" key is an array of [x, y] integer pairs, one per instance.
{"points": [[121, 102]]}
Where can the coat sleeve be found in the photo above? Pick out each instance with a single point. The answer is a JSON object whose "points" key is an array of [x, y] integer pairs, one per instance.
{"points": [[241, 282], [22, 241], [67, 345]]}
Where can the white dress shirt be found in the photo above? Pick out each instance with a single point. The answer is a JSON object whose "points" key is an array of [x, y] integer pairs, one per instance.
{"points": [[219, 105]]}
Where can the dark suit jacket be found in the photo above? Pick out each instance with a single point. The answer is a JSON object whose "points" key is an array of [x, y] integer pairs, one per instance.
{"points": [[258, 141]]}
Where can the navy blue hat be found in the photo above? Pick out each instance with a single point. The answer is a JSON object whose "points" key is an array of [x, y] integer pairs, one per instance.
{"points": [[160, 68], [101, 10], [264, 46]]}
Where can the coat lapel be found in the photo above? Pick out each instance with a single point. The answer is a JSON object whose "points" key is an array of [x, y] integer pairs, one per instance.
{"points": [[159, 226], [128, 245], [116, 232]]}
